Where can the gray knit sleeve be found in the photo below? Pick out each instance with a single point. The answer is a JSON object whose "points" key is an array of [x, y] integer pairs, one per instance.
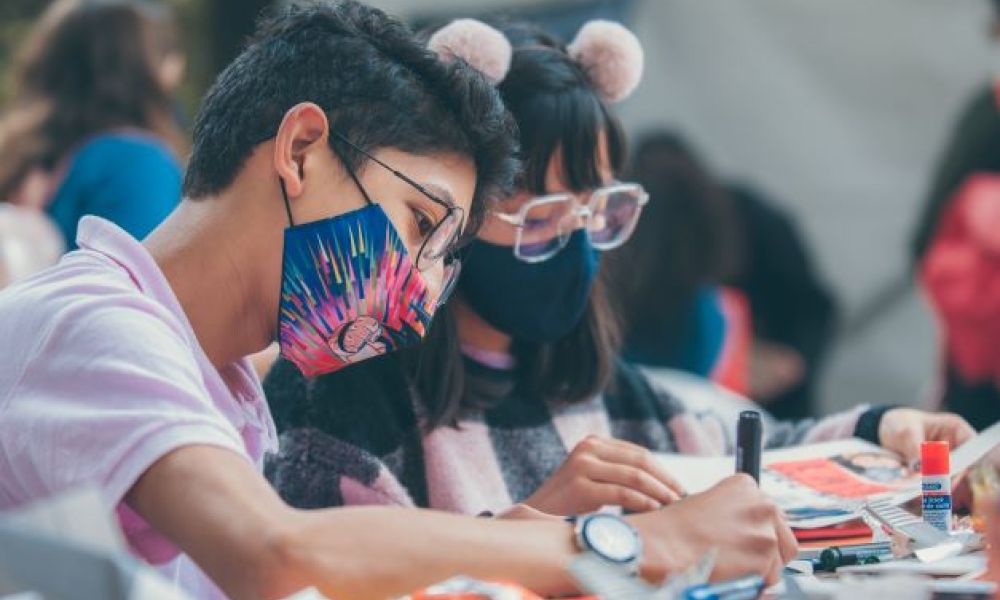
{"points": [[316, 470]]}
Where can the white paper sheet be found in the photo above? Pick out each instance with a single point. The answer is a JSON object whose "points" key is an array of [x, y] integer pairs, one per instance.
{"points": [[957, 566]]}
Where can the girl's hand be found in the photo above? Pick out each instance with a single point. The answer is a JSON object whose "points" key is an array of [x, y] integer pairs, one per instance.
{"points": [[603, 471], [902, 430]]}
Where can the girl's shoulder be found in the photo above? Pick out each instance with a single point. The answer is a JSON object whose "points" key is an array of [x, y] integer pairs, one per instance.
{"points": [[369, 405]]}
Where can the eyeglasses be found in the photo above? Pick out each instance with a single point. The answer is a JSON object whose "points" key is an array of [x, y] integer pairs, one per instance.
{"points": [[544, 224], [440, 242]]}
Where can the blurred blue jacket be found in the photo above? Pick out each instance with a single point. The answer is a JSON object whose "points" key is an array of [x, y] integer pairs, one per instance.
{"points": [[702, 339], [129, 178]]}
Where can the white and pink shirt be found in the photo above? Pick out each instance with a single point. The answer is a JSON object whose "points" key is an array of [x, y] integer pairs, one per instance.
{"points": [[101, 375]]}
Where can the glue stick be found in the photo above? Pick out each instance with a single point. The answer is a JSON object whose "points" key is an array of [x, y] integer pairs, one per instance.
{"points": [[935, 468]]}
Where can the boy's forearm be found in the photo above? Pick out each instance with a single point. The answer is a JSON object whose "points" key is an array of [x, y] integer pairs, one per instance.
{"points": [[383, 552], [216, 508]]}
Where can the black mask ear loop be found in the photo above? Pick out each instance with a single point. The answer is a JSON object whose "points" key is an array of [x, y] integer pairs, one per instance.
{"points": [[288, 207], [350, 171], [354, 176]]}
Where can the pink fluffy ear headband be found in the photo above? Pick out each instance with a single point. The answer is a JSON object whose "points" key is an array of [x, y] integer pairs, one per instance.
{"points": [[610, 54]]}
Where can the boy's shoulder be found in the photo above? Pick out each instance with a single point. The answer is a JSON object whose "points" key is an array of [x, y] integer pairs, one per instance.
{"points": [[82, 313]]}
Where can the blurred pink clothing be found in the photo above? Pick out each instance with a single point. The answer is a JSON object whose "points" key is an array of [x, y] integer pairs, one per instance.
{"points": [[961, 274], [101, 375]]}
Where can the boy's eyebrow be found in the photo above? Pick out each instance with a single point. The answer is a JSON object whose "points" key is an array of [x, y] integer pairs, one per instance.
{"points": [[442, 194]]}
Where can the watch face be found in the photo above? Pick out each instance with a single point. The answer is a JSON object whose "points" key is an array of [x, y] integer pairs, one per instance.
{"points": [[612, 538]]}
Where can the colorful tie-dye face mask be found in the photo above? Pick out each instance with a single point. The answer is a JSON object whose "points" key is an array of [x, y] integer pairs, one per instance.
{"points": [[349, 291]]}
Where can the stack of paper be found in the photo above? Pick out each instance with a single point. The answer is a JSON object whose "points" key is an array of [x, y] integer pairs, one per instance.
{"points": [[820, 485]]}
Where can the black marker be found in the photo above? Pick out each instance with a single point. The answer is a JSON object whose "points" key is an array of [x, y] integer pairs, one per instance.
{"points": [[748, 440], [859, 554]]}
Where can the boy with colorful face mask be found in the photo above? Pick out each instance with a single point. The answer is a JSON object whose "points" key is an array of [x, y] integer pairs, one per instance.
{"points": [[335, 164]]}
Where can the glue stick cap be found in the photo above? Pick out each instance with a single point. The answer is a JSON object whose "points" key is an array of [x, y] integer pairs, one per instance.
{"points": [[935, 458]]}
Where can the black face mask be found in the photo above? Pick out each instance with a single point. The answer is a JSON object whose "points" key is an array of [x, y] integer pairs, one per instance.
{"points": [[531, 302]]}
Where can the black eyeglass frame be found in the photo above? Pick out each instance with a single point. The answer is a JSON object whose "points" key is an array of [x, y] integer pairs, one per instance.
{"points": [[451, 209]]}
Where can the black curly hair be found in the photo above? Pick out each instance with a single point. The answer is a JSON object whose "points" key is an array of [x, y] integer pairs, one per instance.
{"points": [[378, 84]]}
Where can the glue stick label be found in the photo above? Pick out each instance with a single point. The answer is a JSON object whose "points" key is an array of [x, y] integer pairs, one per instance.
{"points": [[937, 502]]}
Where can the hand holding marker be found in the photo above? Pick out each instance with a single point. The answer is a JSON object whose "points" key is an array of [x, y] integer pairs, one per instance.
{"points": [[748, 454]]}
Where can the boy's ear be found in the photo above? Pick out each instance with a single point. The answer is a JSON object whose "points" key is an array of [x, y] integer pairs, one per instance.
{"points": [[303, 128]]}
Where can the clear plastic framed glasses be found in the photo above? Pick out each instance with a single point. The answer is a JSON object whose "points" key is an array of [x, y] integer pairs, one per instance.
{"points": [[544, 224]]}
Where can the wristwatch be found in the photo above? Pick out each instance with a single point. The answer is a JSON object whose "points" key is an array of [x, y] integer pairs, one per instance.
{"points": [[610, 537]]}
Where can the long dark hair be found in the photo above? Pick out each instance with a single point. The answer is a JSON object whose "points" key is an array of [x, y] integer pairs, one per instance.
{"points": [[558, 113], [89, 66], [687, 238]]}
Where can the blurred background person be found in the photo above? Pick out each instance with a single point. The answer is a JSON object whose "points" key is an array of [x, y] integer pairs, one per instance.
{"points": [[717, 280], [666, 280], [956, 252], [793, 311], [960, 272], [90, 127]]}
